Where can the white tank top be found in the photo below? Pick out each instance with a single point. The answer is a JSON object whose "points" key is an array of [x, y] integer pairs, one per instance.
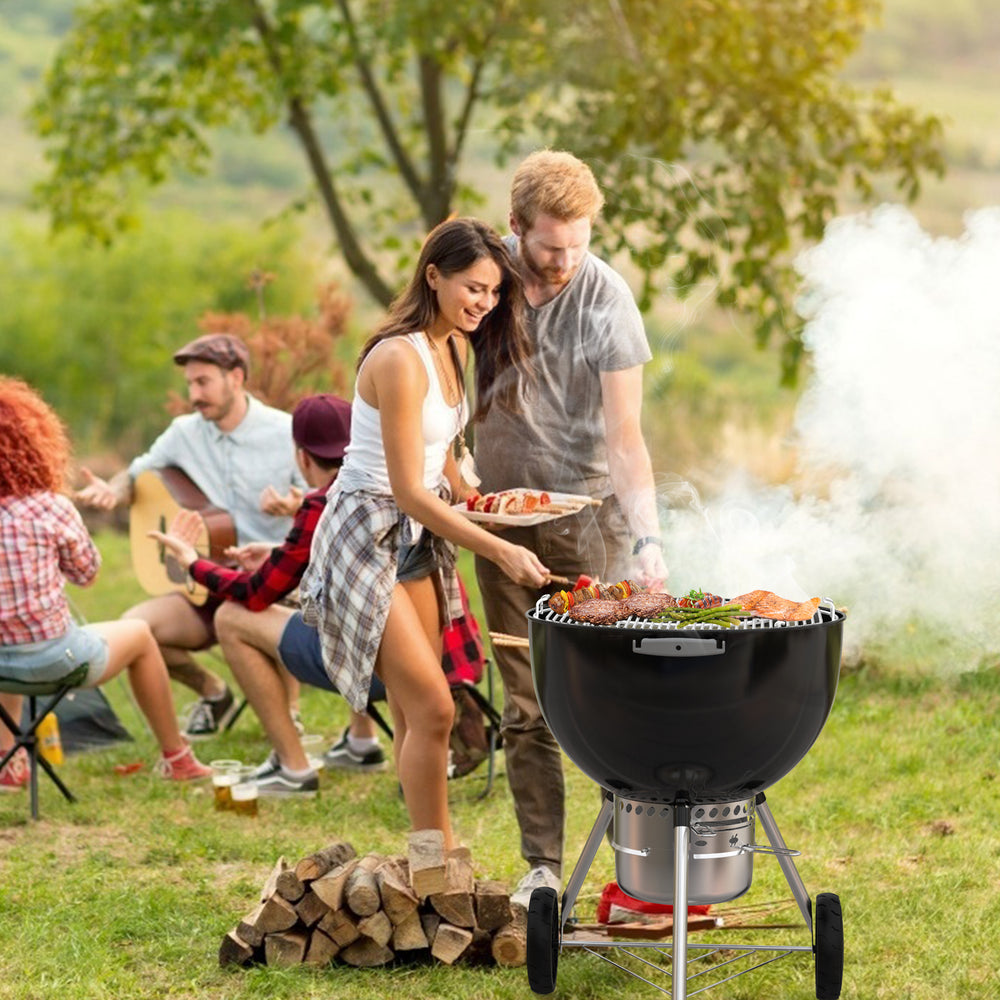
{"points": [[441, 425]]}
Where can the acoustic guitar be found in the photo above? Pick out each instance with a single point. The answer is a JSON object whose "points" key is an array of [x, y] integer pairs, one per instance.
{"points": [[158, 495]]}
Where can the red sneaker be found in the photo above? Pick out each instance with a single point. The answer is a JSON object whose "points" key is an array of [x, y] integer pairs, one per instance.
{"points": [[182, 765], [14, 774]]}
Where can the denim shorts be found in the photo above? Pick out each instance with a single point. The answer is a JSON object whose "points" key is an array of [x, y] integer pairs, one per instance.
{"points": [[54, 659], [300, 653], [414, 562]]}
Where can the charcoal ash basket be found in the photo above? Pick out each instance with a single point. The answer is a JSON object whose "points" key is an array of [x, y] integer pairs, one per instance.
{"points": [[678, 725]]}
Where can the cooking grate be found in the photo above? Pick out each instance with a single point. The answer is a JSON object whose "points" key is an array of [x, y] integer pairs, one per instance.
{"points": [[826, 612]]}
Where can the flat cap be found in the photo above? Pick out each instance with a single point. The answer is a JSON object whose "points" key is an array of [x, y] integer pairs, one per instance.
{"points": [[222, 349]]}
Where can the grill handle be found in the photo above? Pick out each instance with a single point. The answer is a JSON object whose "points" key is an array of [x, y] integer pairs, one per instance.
{"points": [[650, 646]]}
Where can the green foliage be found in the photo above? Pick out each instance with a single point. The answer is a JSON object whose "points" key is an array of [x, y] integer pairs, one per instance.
{"points": [[93, 328], [719, 128]]}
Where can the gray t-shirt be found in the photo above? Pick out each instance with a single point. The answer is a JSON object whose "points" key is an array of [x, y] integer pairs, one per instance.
{"points": [[558, 442]]}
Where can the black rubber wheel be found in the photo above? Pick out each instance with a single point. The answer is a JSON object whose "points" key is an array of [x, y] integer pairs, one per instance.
{"points": [[543, 939], [828, 928]]}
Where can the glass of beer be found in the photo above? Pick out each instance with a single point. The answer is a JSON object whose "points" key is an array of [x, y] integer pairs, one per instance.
{"points": [[244, 797], [225, 774]]}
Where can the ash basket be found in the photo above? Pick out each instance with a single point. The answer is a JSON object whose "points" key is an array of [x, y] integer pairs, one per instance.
{"points": [[720, 853]]}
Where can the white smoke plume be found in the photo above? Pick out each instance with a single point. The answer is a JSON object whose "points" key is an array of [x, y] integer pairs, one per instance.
{"points": [[900, 424]]}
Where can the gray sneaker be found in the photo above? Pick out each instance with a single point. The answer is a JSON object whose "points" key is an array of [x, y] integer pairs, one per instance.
{"points": [[540, 876], [208, 717], [342, 757], [271, 780]]}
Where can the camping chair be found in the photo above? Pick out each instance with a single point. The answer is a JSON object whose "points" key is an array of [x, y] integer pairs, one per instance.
{"points": [[25, 734]]}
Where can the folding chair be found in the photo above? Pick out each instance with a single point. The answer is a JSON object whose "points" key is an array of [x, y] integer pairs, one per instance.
{"points": [[25, 734]]}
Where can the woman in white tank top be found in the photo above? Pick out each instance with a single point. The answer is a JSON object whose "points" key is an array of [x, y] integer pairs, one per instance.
{"points": [[394, 493]]}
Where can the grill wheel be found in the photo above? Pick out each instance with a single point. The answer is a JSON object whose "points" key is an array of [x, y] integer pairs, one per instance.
{"points": [[829, 946], [542, 957]]}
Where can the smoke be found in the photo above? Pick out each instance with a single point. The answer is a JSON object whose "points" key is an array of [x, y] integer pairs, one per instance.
{"points": [[894, 510]]}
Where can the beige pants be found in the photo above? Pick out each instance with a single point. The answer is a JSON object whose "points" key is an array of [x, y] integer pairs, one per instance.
{"points": [[594, 542]]}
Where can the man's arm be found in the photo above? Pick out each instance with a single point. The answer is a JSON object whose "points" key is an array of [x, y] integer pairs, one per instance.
{"points": [[631, 469]]}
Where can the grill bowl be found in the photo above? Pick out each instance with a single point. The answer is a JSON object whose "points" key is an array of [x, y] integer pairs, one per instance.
{"points": [[669, 715]]}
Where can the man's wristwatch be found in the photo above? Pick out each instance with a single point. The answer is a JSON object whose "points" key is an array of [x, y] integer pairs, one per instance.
{"points": [[643, 542]]}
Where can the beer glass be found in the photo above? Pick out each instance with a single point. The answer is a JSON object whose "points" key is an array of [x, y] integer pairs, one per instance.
{"points": [[225, 774], [244, 797]]}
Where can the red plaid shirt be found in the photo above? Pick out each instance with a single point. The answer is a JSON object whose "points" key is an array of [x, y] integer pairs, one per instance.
{"points": [[279, 575], [43, 543]]}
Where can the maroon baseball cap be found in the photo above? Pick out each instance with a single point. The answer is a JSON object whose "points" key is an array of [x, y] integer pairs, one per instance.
{"points": [[222, 349], [321, 424]]}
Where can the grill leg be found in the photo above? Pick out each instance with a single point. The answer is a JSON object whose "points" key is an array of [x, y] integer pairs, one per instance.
{"points": [[788, 868], [682, 839], [587, 857]]}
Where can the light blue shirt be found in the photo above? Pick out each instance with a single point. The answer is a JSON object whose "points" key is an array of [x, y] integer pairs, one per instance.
{"points": [[233, 469]]}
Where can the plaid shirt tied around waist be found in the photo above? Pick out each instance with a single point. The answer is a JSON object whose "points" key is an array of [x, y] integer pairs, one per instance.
{"points": [[347, 588]]}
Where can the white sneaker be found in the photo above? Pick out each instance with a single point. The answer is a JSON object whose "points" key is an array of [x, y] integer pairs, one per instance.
{"points": [[537, 877]]}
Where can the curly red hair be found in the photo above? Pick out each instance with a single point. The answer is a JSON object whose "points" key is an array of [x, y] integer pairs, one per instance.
{"points": [[34, 445]]}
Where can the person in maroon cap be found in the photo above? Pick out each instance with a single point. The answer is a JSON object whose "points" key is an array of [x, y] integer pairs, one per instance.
{"points": [[233, 447], [265, 641]]}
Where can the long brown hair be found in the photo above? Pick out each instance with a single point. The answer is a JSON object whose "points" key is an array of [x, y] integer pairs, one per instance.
{"points": [[500, 344], [34, 446]]}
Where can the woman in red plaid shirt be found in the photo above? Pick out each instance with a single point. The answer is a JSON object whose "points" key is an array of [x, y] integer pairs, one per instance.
{"points": [[44, 543]]}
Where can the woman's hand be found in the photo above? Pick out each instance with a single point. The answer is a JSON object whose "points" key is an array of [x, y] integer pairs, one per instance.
{"points": [[522, 566], [95, 492], [249, 557], [180, 538]]}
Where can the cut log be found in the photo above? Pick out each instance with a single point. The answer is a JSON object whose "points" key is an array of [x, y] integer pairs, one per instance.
{"points": [[409, 935], [276, 914], [234, 950], [322, 949], [361, 890], [378, 927], [398, 900], [426, 857], [341, 925], [289, 886], [430, 922], [366, 953], [286, 948], [248, 930], [492, 905], [450, 943], [480, 951], [321, 862], [510, 947], [330, 887], [271, 885], [310, 908], [455, 903]]}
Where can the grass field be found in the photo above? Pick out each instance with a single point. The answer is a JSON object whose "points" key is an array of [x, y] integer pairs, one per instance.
{"points": [[129, 891]]}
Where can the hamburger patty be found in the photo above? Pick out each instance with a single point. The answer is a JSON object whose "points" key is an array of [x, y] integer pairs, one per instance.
{"points": [[598, 612], [646, 605]]}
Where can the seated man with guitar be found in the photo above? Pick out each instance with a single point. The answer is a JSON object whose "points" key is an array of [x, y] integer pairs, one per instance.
{"points": [[218, 461], [262, 638]]}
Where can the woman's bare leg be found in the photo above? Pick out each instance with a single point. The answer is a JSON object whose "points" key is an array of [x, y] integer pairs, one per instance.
{"points": [[131, 646], [12, 705], [409, 663]]}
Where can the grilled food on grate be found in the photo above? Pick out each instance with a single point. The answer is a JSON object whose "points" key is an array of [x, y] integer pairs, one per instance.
{"points": [[765, 604], [598, 611], [646, 604], [563, 600]]}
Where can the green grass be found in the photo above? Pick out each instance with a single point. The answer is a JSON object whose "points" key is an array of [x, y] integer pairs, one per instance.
{"points": [[129, 891]]}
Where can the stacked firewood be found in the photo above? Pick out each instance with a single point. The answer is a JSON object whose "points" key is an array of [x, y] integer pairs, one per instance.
{"points": [[370, 910]]}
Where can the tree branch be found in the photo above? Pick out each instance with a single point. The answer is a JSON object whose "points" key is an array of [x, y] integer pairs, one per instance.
{"points": [[465, 116], [370, 86], [440, 183], [301, 123]]}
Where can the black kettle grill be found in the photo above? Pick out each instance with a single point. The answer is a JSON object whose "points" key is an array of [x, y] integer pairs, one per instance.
{"points": [[684, 728]]}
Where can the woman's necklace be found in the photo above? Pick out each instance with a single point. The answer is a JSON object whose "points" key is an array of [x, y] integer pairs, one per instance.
{"points": [[452, 388]]}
